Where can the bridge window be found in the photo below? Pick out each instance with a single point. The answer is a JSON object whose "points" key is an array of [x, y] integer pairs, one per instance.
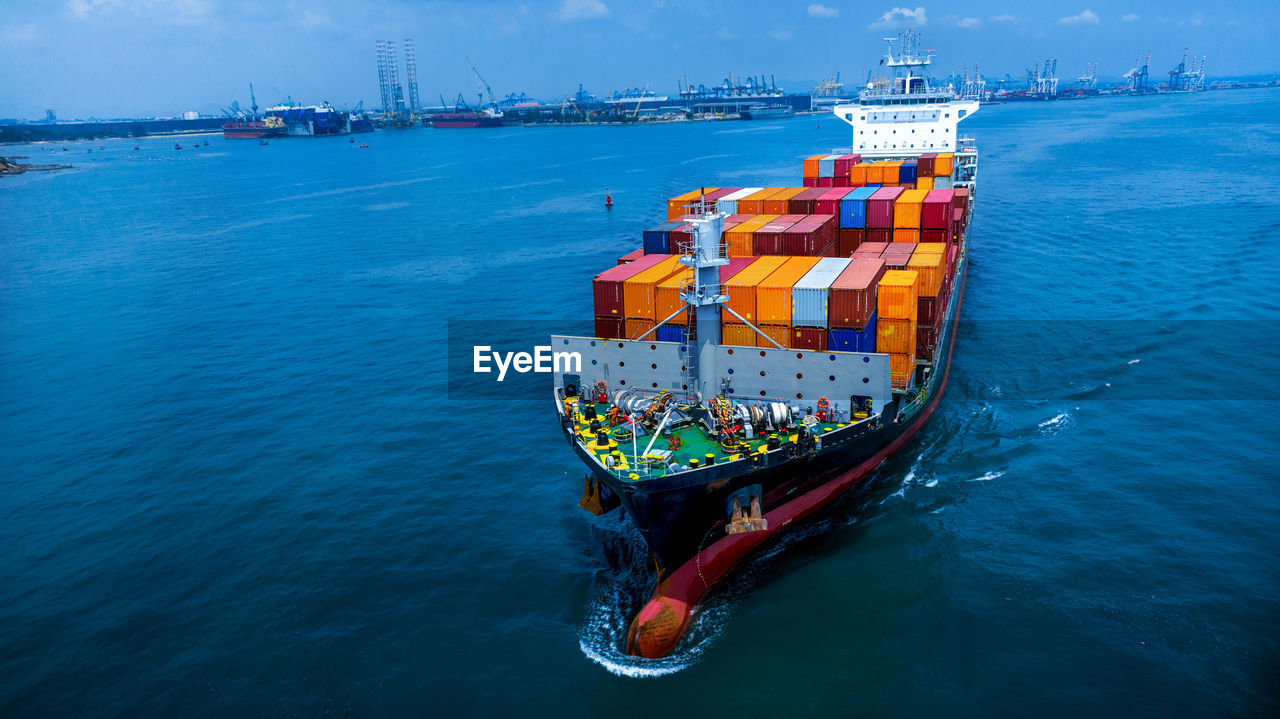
{"points": [[961, 113]]}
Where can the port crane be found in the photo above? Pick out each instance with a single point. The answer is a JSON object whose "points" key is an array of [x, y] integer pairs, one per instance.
{"points": [[1184, 79], [488, 90], [1136, 78], [1089, 80]]}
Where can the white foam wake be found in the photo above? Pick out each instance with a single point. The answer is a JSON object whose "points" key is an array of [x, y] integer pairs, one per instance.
{"points": [[987, 477]]}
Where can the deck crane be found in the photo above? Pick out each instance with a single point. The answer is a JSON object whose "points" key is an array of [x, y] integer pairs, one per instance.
{"points": [[640, 100]]}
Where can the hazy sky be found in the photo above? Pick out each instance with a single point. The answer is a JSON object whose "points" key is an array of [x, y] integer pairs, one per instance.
{"points": [[112, 58]]}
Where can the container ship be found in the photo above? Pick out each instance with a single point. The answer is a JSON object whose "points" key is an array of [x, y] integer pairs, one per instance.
{"points": [[311, 120], [766, 349], [253, 129], [487, 117]]}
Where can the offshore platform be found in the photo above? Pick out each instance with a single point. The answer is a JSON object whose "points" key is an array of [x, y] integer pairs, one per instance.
{"points": [[396, 111]]}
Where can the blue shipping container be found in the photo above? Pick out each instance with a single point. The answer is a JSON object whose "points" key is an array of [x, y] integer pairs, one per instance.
{"points": [[675, 333], [863, 340], [853, 208], [657, 240], [907, 172]]}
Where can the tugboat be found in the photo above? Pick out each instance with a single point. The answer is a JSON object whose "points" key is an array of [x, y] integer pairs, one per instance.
{"points": [[712, 447]]}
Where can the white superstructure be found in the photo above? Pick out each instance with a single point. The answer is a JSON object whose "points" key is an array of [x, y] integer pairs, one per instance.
{"points": [[902, 115]]}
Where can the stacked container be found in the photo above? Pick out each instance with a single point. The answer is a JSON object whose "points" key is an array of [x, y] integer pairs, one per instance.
{"points": [[930, 262], [676, 205], [810, 294], [742, 293], [778, 202], [896, 305], [729, 203], [906, 215], [851, 305], [767, 239], [657, 240]]}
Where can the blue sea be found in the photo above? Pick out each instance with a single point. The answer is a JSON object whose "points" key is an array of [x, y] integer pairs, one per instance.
{"points": [[233, 479]]}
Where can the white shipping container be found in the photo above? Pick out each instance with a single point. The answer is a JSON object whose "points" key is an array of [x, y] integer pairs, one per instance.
{"points": [[729, 203], [827, 166], [809, 295]]}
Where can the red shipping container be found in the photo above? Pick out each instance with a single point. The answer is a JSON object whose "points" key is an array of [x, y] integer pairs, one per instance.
{"points": [[810, 237], [606, 288], [631, 256], [768, 239], [826, 182], [843, 163], [852, 298], [809, 182], [880, 207], [880, 235], [803, 203], [681, 237], [809, 338], [609, 327], [958, 226], [927, 311], [934, 236], [924, 164], [872, 249], [829, 203], [717, 194], [936, 212], [901, 248], [926, 341], [850, 239], [962, 197]]}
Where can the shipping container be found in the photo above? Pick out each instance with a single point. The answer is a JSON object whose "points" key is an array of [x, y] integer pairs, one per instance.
{"points": [[926, 342], [737, 334], [853, 207], [813, 339], [609, 328], [814, 236], [636, 328], [850, 340], [631, 256], [804, 203], [773, 294], [778, 202], [671, 333], [843, 163], [895, 335], [666, 297], [809, 181], [880, 235], [839, 181], [681, 239], [829, 203], [858, 174], [896, 262], [851, 299], [657, 239], [606, 288], [906, 209], [826, 182], [741, 239], [937, 248], [924, 165], [768, 238], [779, 333], [924, 183], [753, 204], [941, 183], [827, 166], [932, 236], [902, 370], [900, 236], [962, 197], [943, 164], [850, 239], [907, 173], [809, 293], [638, 290], [729, 203], [742, 288], [810, 165], [676, 205], [880, 207], [896, 295], [891, 172], [871, 249], [875, 172]]}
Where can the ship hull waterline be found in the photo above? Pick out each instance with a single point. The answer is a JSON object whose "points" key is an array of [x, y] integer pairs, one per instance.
{"points": [[660, 624]]}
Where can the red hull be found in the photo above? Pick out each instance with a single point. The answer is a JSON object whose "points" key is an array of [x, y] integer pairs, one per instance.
{"points": [[465, 120], [250, 131], [660, 624]]}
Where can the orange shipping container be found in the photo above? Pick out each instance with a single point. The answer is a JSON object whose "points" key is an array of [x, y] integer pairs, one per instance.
{"points": [[858, 175], [924, 183], [932, 268], [773, 295], [901, 368], [895, 335], [638, 291], [892, 172], [811, 165], [675, 206], [635, 328], [943, 164], [741, 236], [742, 288], [875, 173], [667, 298], [906, 209], [753, 204], [780, 334], [901, 235], [896, 295], [736, 333], [777, 203]]}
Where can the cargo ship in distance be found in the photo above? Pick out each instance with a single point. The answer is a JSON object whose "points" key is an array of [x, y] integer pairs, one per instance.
{"points": [[768, 348], [487, 117]]}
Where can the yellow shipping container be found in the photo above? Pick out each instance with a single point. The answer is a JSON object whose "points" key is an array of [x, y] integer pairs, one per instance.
{"points": [[638, 292], [635, 328], [932, 268], [742, 288], [811, 165], [780, 334], [753, 204], [944, 164], [776, 204], [932, 248], [667, 298], [773, 294], [896, 295], [906, 209], [741, 238], [675, 206], [736, 333], [924, 183], [901, 368], [895, 335]]}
